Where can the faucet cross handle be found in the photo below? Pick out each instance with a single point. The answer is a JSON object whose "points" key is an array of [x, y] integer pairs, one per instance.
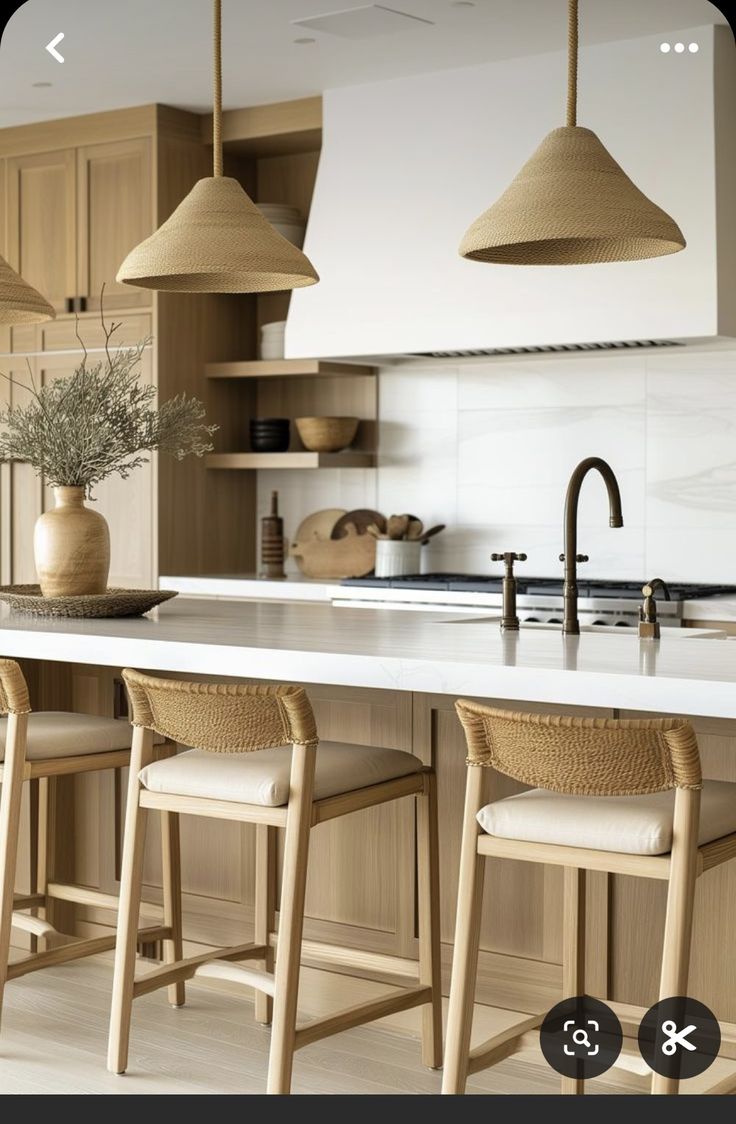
{"points": [[578, 558], [508, 558]]}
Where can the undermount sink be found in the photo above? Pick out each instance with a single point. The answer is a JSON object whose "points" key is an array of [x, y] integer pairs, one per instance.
{"points": [[606, 629]]}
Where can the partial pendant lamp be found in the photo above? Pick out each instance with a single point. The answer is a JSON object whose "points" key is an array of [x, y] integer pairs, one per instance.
{"points": [[571, 203], [20, 303], [217, 241]]}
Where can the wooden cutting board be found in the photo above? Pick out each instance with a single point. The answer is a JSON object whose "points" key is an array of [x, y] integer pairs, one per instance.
{"points": [[319, 524], [353, 556]]}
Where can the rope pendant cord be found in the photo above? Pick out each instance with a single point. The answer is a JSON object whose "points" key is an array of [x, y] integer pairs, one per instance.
{"points": [[572, 62], [217, 92]]}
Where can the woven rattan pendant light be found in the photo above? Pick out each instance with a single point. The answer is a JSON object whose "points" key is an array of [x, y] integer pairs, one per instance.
{"points": [[217, 241], [20, 303], [571, 203]]}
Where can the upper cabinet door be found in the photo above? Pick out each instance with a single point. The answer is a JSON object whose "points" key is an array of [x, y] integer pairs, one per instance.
{"points": [[42, 226], [115, 213]]}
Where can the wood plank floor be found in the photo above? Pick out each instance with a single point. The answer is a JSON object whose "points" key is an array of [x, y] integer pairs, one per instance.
{"points": [[55, 1027]]}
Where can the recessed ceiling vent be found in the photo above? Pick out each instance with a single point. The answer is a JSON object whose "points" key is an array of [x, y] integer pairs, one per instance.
{"points": [[551, 349], [364, 22]]}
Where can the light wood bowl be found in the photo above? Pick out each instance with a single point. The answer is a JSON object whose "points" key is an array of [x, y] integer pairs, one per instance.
{"points": [[326, 435]]}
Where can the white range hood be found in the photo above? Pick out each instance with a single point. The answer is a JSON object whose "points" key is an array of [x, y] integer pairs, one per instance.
{"points": [[407, 165]]}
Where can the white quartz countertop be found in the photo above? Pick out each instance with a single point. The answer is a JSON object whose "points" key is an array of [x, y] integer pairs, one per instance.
{"points": [[296, 588], [318, 643]]}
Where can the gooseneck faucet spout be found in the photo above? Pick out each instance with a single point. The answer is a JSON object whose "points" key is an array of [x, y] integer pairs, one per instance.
{"points": [[571, 556]]}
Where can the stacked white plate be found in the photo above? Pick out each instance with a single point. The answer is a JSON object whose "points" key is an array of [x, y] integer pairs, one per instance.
{"points": [[272, 340], [288, 221]]}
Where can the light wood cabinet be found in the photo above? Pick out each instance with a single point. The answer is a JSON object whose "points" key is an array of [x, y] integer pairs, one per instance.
{"points": [[42, 223], [114, 214], [73, 216]]}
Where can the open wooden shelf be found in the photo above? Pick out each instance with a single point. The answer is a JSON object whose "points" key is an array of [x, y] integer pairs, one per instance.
{"points": [[351, 459], [284, 368]]}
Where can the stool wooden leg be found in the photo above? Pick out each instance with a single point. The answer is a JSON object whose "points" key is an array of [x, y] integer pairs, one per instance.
{"points": [[430, 967], [573, 952], [171, 868], [128, 909], [10, 803], [467, 937], [265, 911], [291, 922], [678, 924]]}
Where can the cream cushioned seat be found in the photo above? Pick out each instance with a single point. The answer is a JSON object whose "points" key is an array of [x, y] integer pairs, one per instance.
{"points": [[262, 777], [60, 733], [634, 825]]}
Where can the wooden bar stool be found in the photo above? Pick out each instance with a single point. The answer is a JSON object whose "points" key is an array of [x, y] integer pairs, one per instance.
{"points": [[289, 783], [38, 747], [602, 800]]}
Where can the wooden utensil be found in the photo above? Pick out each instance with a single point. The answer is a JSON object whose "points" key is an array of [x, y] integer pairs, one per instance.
{"points": [[415, 528], [353, 556], [432, 532], [397, 526], [319, 525], [362, 519]]}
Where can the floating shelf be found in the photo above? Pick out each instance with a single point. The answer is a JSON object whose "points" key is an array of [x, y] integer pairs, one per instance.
{"points": [[350, 459], [284, 368]]}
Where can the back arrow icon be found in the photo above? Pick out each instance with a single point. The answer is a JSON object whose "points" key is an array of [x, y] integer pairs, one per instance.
{"points": [[51, 47]]}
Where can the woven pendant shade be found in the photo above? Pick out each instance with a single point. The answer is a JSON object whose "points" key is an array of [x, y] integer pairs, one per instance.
{"points": [[20, 303], [571, 203], [217, 241]]}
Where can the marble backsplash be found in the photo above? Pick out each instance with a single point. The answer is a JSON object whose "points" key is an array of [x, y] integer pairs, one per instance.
{"points": [[487, 447]]}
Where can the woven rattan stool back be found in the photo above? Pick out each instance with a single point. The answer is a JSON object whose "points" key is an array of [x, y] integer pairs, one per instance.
{"points": [[13, 689], [583, 756], [221, 717]]}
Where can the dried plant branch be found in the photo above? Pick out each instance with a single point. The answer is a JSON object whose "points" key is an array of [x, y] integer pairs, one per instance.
{"points": [[100, 421]]}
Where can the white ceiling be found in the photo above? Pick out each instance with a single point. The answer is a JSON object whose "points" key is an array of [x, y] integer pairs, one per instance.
{"points": [[131, 52]]}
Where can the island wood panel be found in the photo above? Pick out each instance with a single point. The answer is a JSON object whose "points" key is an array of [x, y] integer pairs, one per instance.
{"points": [[42, 222], [638, 908]]}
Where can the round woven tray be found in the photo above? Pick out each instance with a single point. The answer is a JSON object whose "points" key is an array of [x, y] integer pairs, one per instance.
{"points": [[114, 603]]}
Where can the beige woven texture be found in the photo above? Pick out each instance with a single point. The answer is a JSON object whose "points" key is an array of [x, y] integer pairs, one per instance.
{"points": [[571, 203], [13, 689], [222, 717], [20, 303], [583, 756], [217, 241], [28, 599]]}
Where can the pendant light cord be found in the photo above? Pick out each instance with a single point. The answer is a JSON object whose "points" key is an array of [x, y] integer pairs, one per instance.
{"points": [[217, 92], [572, 62]]}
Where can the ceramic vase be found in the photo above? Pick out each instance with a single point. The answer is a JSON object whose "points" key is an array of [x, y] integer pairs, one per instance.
{"points": [[71, 547]]}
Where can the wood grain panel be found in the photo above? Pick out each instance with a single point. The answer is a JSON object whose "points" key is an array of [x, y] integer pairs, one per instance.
{"points": [[42, 224], [286, 178], [115, 213]]}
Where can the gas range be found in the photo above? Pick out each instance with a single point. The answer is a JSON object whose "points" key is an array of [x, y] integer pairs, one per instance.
{"points": [[600, 602]]}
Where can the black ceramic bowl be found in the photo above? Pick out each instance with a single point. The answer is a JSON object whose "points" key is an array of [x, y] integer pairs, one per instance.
{"points": [[269, 435]]}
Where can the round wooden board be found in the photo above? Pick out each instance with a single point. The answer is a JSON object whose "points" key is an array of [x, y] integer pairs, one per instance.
{"points": [[318, 526], [362, 518]]}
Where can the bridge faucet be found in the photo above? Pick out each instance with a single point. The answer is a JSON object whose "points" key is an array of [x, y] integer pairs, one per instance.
{"points": [[571, 556]]}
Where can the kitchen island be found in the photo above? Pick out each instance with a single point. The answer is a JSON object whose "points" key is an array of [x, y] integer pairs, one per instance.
{"points": [[424, 652], [378, 677]]}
